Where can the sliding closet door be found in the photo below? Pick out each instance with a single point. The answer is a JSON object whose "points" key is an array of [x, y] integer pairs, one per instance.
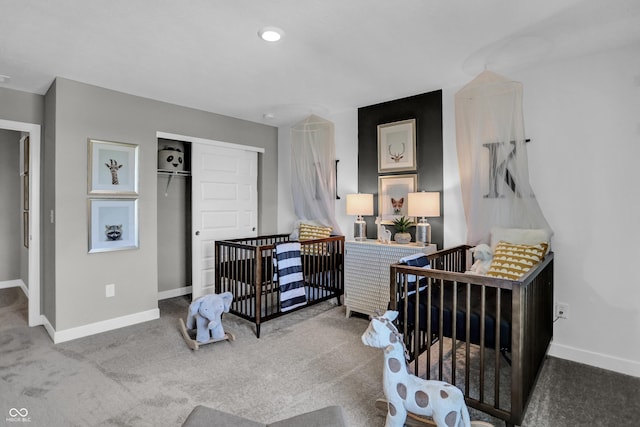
{"points": [[224, 204]]}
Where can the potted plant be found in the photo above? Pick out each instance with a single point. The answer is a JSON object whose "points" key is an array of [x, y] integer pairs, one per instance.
{"points": [[402, 225]]}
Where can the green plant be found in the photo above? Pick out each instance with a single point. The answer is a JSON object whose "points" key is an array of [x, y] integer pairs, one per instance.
{"points": [[402, 224]]}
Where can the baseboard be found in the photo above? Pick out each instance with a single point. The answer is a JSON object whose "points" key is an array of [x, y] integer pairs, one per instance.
{"points": [[48, 327], [604, 361], [172, 293], [13, 284], [104, 326]]}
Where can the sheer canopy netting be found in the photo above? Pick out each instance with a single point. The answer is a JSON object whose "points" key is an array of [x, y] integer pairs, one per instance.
{"points": [[313, 171], [492, 157]]}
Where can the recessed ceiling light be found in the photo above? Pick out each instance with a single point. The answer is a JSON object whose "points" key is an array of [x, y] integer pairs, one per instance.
{"points": [[4, 79], [271, 34]]}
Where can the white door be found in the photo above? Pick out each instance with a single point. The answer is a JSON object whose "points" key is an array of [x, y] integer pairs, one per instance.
{"points": [[224, 205]]}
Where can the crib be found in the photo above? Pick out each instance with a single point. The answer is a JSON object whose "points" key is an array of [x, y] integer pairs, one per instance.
{"points": [[245, 268], [486, 335]]}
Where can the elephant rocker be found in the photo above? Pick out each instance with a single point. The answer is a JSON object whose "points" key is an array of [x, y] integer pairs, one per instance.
{"points": [[205, 316]]}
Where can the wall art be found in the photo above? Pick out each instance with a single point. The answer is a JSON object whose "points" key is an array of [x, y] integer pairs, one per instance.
{"points": [[113, 168], [393, 192], [113, 224], [397, 146]]}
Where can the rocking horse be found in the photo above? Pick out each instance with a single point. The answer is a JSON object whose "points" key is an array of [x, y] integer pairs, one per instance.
{"points": [[409, 396]]}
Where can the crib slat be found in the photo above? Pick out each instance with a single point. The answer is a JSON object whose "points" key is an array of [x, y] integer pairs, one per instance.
{"points": [[467, 362], [496, 379]]}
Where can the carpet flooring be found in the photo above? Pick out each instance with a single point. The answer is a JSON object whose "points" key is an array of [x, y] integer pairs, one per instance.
{"points": [[144, 375]]}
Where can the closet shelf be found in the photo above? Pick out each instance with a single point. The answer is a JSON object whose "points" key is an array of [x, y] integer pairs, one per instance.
{"points": [[170, 172]]}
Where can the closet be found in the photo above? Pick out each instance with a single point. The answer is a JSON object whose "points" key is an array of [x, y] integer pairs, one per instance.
{"points": [[212, 195], [174, 218]]}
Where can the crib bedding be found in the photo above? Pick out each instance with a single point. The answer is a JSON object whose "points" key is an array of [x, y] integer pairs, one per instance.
{"points": [[475, 313]]}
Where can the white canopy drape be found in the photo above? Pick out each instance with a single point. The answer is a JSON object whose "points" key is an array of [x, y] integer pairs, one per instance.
{"points": [[492, 157], [313, 171]]}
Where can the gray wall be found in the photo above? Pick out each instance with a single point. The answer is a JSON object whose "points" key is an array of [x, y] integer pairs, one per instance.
{"points": [[11, 246], [83, 111], [21, 106], [48, 273]]}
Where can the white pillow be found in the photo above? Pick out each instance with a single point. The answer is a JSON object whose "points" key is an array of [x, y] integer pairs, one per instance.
{"points": [[519, 236]]}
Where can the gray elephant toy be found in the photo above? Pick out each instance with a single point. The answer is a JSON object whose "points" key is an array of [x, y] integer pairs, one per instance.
{"points": [[206, 313]]}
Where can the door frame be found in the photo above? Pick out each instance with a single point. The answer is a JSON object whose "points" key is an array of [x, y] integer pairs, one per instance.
{"points": [[33, 130], [211, 142]]}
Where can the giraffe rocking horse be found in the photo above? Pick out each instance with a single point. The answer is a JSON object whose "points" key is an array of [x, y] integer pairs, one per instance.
{"points": [[408, 395]]}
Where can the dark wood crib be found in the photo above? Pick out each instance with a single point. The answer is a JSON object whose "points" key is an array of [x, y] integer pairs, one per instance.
{"points": [[245, 268], [488, 336]]}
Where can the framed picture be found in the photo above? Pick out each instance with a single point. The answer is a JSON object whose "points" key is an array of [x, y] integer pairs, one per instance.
{"points": [[397, 146], [113, 224], [393, 192], [113, 168]]}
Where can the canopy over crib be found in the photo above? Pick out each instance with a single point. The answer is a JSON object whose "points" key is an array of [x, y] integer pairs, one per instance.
{"points": [[313, 171], [492, 158]]}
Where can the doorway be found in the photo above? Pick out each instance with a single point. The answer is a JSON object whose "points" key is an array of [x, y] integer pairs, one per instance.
{"points": [[219, 202], [32, 216]]}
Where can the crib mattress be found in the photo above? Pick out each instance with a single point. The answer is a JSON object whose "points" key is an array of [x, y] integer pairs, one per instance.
{"points": [[461, 305]]}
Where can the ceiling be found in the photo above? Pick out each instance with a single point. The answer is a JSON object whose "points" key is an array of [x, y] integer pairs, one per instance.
{"points": [[336, 55]]}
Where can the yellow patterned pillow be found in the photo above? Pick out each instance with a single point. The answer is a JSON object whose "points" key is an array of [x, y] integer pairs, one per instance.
{"points": [[311, 232], [512, 261]]}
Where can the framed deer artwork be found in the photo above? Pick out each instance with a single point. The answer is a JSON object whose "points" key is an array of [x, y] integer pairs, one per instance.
{"points": [[397, 146], [113, 168]]}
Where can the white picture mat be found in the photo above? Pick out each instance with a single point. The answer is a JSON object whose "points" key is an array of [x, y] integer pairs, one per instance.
{"points": [[101, 153], [103, 212], [397, 146], [396, 187]]}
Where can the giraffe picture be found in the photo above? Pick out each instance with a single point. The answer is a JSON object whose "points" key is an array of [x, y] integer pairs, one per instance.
{"points": [[113, 168]]}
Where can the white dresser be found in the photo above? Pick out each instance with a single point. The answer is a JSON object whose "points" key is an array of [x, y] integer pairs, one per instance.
{"points": [[366, 273]]}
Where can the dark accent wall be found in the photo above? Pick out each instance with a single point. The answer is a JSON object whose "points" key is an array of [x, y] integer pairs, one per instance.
{"points": [[427, 110]]}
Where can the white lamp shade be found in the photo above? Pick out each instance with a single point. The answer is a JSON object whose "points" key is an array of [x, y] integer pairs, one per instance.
{"points": [[423, 204], [359, 204]]}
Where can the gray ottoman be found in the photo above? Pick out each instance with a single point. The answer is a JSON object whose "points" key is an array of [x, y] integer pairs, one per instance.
{"points": [[202, 416]]}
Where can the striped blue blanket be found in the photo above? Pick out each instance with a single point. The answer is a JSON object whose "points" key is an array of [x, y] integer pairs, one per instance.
{"points": [[416, 260], [289, 276]]}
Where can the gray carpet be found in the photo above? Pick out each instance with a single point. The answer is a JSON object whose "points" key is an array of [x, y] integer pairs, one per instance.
{"points": [[145, 375]]}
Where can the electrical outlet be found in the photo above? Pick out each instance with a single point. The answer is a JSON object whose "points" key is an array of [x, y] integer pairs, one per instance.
{"points": [[110, 290], [562, 310]]}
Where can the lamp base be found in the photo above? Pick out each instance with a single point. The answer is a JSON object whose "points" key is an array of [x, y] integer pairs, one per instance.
{"points": [[360, 231], [423, 233]]}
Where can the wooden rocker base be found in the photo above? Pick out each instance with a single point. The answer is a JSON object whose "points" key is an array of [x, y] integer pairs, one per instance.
{"points": [[414, 420], [189, 336]]}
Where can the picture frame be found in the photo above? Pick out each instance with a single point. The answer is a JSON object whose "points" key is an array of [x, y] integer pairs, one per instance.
{"points": [[397, 146], [113, 168], [113, 225], [396, 187]]}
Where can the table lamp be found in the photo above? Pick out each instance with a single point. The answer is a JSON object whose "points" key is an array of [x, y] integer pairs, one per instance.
{"points": [[423, 204], [359, 205]]}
